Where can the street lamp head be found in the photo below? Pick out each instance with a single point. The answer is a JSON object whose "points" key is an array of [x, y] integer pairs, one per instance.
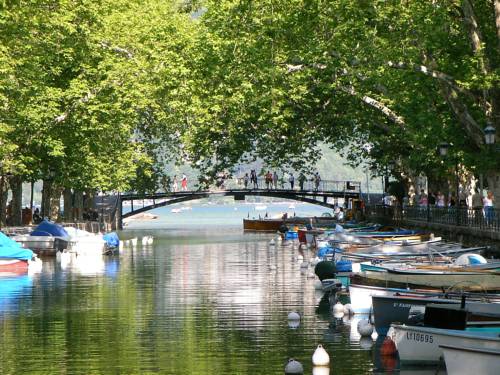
{"points": [[489, 134], [443, 148]]}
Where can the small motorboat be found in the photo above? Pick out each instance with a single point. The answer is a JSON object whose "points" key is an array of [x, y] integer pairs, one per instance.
{"points": [[14, 259], [47, 239]]}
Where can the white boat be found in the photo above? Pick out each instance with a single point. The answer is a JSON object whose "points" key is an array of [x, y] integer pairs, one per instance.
{"points": [[465, 360], [42, 245], [361, 296], [85, 243], [421, 345]]}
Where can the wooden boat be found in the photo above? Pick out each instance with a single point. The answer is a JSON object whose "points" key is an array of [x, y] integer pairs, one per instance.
{"points": [[265, 225], [437, 277], [467, 359]]}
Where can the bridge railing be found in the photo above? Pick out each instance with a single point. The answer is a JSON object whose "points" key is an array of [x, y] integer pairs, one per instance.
{"points": [[261, 184], [479, 218]]}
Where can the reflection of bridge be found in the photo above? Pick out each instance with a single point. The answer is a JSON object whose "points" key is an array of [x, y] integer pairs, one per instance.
{"points": [[319, 195]]}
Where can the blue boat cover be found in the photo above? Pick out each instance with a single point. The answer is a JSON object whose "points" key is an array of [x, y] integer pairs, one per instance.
{"points": [[47, 228], [10, 249], [111, 239]]}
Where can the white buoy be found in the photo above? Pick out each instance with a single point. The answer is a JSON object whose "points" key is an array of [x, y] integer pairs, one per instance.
{"points": [[320, 357], [272, 243], [365, 328], [366, 342], [348, 309], [318, 285], [321, 370], [300, 257], [293, 367], [338, 308], [133, 241], [293, 316]]}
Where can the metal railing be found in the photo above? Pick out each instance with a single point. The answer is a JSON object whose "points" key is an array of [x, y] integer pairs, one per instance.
{"points": [[479, 218], [280, 184]]}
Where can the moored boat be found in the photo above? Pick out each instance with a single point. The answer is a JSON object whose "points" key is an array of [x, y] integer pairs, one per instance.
{"points": [[465, 360], [47, 239], [14, 259]]}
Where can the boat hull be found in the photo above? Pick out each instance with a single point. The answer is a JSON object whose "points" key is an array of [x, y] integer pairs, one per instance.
{"points": [[13, 266], [463, 280], [264, 225], [42, 245], [420, 345], [466, 360]]}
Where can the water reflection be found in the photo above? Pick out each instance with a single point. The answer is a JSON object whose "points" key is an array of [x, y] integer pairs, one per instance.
{"points": [[11, 289], [191, 303]]}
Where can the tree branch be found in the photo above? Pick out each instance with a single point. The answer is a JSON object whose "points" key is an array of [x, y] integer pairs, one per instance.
{"points": [[377, 105]]}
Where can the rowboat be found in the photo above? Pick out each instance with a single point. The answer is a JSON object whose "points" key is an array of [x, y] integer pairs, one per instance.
{"points": [[468, 279], [462, 360]]}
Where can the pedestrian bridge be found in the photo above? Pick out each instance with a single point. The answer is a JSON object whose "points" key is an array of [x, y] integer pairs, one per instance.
{"points": [[321, 194]]}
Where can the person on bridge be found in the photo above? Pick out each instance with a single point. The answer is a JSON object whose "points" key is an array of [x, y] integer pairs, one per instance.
{"points": [[275, 180], [245, 180], [253, 179], [317, 180], [175, 185], [291, 180], [302, 179], [269, 180], [184, 183]]}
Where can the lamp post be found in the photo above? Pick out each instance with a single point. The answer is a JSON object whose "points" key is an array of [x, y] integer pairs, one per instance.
{"points": [[489, 135], [443, 151]]}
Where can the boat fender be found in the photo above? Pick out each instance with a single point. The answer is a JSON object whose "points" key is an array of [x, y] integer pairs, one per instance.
{"points": [[293, 316], [320, 357], [365, 328], [338, 308]]}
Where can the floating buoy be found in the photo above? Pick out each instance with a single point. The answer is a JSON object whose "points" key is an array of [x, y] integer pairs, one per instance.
{"points": [[320, 357], [321, 370], [338, 308], [348, 309], [293, 316], [272, 243], [365, 328], [366, 342], [133, 241], [388, 347], [147, 240], [294, 367]]}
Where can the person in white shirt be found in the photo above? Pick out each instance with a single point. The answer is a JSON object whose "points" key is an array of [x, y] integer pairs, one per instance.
{"points": [[489, 207]]}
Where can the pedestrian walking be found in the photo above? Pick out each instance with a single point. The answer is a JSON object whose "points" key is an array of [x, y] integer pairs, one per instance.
{"points": [[317, 180], [275, 180], [302, 179], [269, 179], [184, 183], [253, 178], [291, 180], [175, 184], [489, 207]]}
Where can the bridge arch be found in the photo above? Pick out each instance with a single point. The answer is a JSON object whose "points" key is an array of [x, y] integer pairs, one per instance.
{"points": [[312, 197]]}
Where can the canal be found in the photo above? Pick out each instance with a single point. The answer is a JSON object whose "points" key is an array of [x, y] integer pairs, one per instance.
{"points": [[204, 298]]}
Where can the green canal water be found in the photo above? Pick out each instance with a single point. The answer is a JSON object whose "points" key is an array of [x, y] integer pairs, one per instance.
{"points": [[202, 299]]}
